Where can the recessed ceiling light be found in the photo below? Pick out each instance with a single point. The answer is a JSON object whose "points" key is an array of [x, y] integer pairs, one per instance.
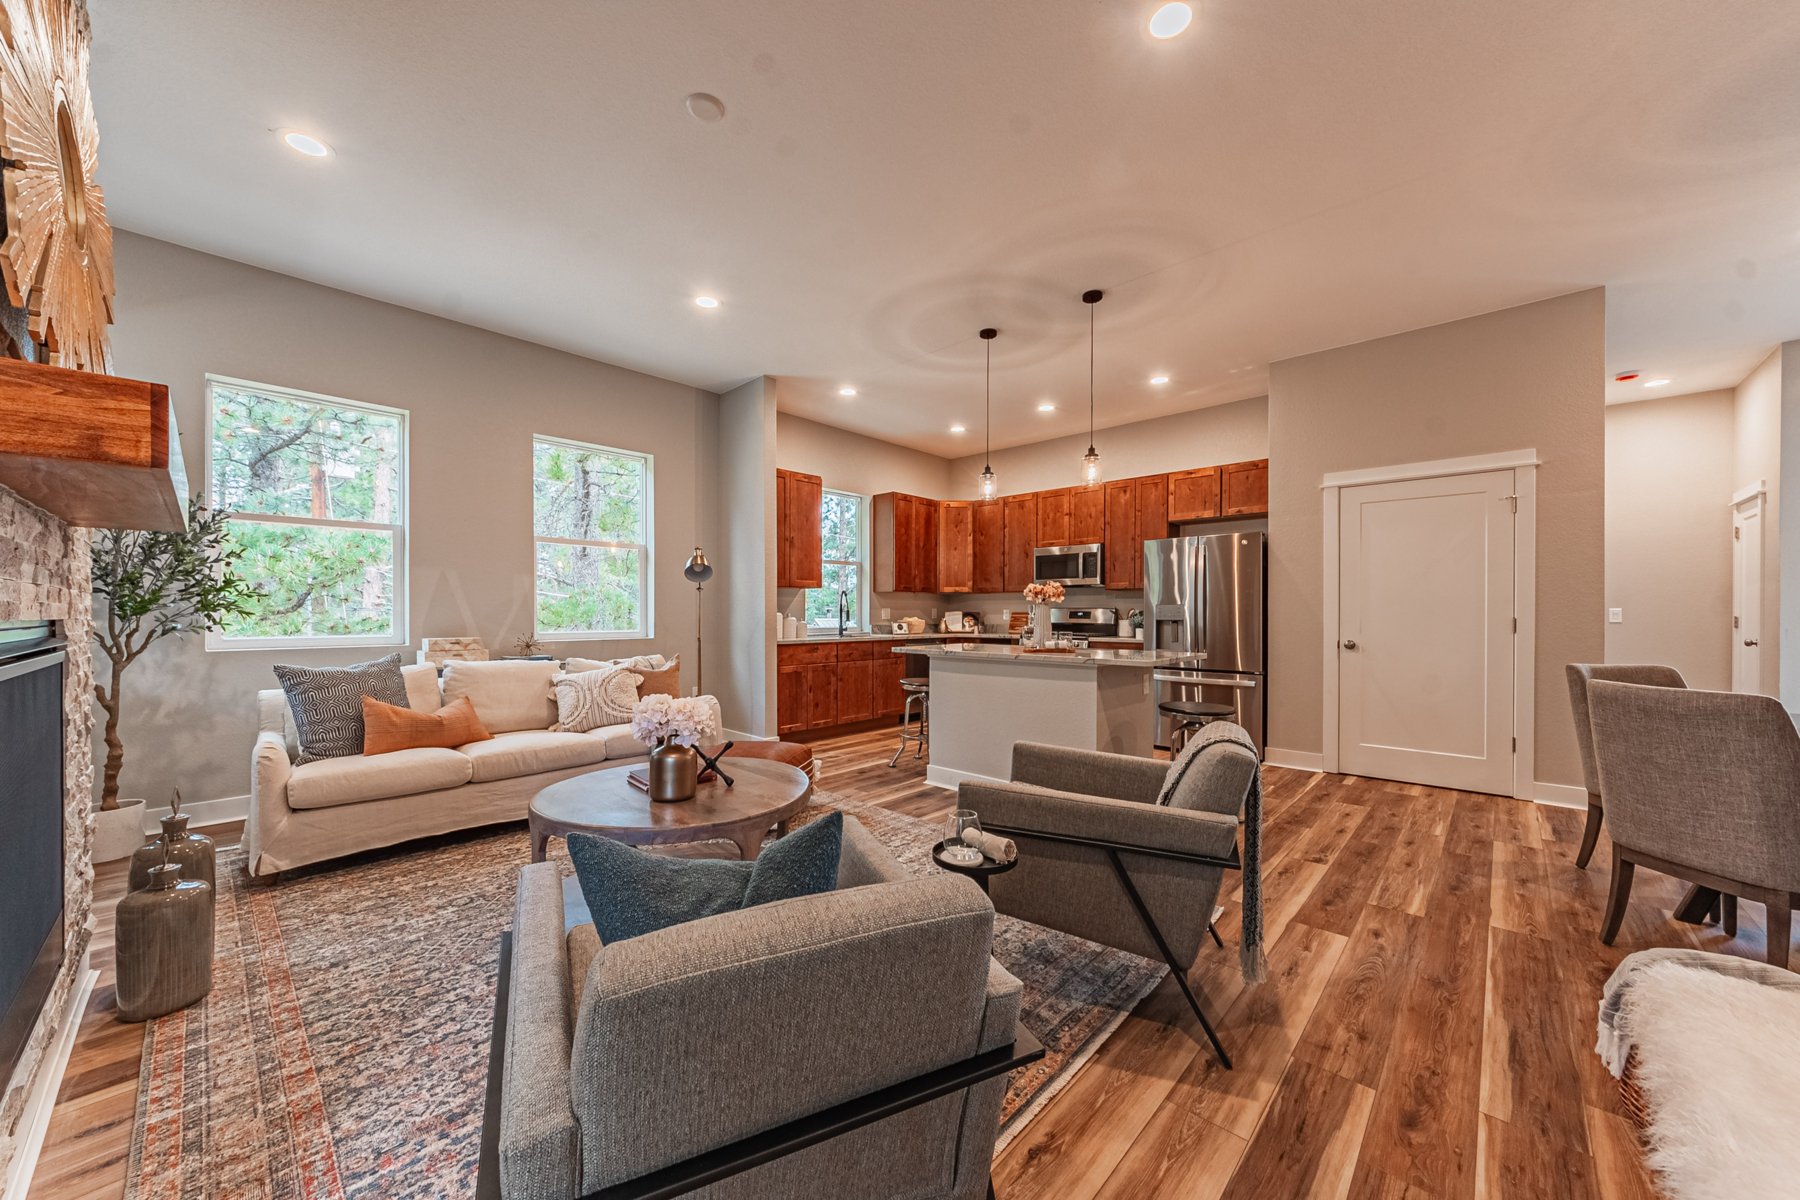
{"points": [[1046, 406], [959, 429], [846, 391], [1169, 20], [1159, 379], [1655, 382], [707, 301], [703, 106], [306, 144]]}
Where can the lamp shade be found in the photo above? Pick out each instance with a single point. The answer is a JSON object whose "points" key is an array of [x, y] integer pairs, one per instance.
{"points": [[697, 570]]}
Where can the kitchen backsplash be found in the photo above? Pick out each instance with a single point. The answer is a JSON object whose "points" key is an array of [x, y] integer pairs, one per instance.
{"points": [[991, 607]]}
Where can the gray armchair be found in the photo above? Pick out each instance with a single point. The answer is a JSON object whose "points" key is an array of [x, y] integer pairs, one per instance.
{"points": [[1099, 858], [678, 1051], [1704, 786], [1580, 675]]}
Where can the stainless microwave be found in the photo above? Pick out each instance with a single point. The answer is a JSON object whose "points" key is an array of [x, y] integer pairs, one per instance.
{"points": [[1075, 566]]}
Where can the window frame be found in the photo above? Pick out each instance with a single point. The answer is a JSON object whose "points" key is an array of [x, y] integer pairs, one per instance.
{"points": [[646, 556], [398, 635], [863, 593]]}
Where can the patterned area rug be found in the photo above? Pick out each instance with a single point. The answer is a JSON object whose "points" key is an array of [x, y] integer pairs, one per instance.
{"points": [[343, 1050]]}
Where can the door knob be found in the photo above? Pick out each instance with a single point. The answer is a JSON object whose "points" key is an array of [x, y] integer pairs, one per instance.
{"points": [[1749, 641], [1350, 644]]}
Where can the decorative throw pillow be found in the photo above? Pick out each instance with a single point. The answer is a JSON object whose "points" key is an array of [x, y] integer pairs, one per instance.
{"points": [[327, 703], [631, 892], [639, 662], [665, 681], [589, 699], [387, 728]]}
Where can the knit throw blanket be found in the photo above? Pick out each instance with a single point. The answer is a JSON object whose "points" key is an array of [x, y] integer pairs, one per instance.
{"points": [[1251, 958]]}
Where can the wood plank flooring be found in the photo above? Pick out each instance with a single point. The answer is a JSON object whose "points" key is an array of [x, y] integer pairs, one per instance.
{"points": [[1426, 1032]]}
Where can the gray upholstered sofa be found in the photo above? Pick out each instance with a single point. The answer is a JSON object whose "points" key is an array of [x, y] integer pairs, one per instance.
{"points": [[625, 1059]]}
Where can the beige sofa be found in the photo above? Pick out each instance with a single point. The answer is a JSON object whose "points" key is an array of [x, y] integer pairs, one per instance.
{"points": [[337, 806]]}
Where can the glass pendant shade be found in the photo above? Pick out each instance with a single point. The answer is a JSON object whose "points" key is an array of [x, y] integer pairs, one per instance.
{"points": [[990, 484], [1090, 466]]}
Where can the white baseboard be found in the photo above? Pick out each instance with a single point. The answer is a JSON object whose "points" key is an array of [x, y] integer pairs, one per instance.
{"points": [[1299, 760], [944, 777], [201, 813], [1559, 795], [34, 1121]]}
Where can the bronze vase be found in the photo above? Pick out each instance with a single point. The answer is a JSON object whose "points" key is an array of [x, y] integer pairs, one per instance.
{"points": [[164, 945], [674, 772], [192, 852]]}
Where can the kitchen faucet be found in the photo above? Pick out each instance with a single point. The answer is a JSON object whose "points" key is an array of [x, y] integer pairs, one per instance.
{"points": [[843, 610]]}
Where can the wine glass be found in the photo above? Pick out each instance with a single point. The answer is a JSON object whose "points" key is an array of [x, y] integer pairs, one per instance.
{"points": [[957, 848]]}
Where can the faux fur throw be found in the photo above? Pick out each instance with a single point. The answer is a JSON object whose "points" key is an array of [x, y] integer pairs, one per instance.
{"points": [[1718, 1063], [1251, 958]]}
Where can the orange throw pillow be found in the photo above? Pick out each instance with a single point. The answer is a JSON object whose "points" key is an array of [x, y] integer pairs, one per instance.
{"points": [[663, 682], [389, 727]]}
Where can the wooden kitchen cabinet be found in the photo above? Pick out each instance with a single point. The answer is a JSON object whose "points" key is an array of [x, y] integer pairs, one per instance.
{"points": [[855, 682], [1123, 559], [1087, 515], [1021, 540], [990, 546], [1053, 511], [956, 546], [889, 670], [1153, 513], [1244, 489], [1193, 495], [905, 542], [798, 554]]}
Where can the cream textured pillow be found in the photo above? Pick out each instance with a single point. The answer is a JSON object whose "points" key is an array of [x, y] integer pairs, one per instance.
{"points": [[589, 699], [640, 662]]}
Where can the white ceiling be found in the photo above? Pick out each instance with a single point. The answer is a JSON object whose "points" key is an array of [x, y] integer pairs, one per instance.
{"points": [[1287, 176]]}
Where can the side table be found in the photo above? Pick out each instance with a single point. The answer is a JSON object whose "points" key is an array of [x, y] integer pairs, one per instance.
{"points": [[980, 872]]}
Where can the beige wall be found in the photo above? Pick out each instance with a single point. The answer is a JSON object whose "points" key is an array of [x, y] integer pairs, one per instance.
{"points": [[475, 399], [1201, 438], [1669, 479], [850, 462], [1530, 377], [746, 564], [1756, 459]]}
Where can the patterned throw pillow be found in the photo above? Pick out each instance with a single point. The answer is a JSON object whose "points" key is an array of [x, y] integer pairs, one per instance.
{"points": [[589, 699], [327, 703]]}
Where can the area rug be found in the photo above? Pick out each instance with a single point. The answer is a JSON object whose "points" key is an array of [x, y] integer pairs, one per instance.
{"points": [[343, 1049]]}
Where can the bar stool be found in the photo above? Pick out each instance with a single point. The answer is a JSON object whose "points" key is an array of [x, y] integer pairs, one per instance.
{"points": [[1191, 715], [914, 687]]}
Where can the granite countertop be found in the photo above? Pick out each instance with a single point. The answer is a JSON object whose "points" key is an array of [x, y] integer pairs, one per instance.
{"points": [[830, 638], [1142, 659]]}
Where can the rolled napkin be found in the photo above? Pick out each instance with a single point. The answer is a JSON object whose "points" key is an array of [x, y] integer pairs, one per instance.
{"points": [[999, 849]]}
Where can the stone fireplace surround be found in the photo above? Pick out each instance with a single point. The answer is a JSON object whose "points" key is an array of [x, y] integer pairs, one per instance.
{"points": [[44, 575]]}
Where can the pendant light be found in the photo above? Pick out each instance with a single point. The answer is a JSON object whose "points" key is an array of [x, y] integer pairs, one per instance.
{"points": [[990, 485], [1090, 462]]}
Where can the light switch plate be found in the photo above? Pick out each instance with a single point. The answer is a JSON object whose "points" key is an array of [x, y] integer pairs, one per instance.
{"points": [[1615, 616]]}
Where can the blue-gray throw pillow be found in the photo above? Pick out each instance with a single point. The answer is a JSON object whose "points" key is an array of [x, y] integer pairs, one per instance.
{"points": [[327, 703], [631, 892]]}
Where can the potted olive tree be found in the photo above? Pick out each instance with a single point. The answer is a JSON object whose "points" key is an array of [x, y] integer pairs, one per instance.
{"points": [[148, 585]]}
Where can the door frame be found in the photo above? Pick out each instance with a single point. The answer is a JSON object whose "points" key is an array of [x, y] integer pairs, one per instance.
{"points": [[1523, 464], [1751, 498]]}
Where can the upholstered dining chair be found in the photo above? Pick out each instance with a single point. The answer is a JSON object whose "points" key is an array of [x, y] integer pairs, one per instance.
{"points": [[1704, 786], [1580, 675]]}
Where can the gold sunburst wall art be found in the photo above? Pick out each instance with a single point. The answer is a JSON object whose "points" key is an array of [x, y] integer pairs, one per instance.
{"points": [[57, 256]]}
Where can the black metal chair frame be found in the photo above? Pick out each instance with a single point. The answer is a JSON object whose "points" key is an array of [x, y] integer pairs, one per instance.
{"points": [[1113, 850], [757, 1149]]}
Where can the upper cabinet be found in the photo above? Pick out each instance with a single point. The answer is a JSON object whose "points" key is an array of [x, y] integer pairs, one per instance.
{"points": [[1021, 540], [1194, 495], [1053, 518], [906, 543], [990, 546], [956, 546], [798, 557], [1120, 559], [1087, 515], [1244, 489]]}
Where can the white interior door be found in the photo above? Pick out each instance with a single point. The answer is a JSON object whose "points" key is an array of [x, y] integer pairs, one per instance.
{"points": [[1425, 631], [1746, 595]]}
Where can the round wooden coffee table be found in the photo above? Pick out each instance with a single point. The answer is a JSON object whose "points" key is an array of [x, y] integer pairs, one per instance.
{"points": [[604, 802]]}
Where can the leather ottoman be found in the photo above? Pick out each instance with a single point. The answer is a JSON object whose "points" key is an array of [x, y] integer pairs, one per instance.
{"points": [[792, 753]]}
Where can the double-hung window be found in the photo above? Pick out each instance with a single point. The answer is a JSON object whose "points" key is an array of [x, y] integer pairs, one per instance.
{"points": [[316, 489], [841, 540], [591, 517]]}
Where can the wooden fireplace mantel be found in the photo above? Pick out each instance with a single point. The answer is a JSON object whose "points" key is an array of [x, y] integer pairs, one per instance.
{"points": [[94, 450]]}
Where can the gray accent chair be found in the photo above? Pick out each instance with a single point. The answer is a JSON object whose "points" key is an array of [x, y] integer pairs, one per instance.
{"points": [[626, 1060], [1101, 859], [1579, 676], [1704, 786]]}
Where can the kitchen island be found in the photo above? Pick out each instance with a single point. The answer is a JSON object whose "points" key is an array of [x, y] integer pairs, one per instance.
{"points": [[986, 697]]}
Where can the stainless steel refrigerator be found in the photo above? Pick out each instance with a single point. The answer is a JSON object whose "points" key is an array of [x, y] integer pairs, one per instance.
{"points": [[1205, 596]]}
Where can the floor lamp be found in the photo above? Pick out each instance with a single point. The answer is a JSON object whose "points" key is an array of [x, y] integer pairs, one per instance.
{"points": [[697, 572]]}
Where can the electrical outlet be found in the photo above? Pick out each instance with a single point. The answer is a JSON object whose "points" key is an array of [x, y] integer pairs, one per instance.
{"points": [[1615, 616]]}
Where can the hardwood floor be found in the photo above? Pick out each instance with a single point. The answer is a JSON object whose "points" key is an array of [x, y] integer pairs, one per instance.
{"points": [[1426, 1032]]}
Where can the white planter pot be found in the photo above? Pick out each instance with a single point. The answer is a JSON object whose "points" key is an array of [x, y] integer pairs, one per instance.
{"points": [[119, 832]]}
